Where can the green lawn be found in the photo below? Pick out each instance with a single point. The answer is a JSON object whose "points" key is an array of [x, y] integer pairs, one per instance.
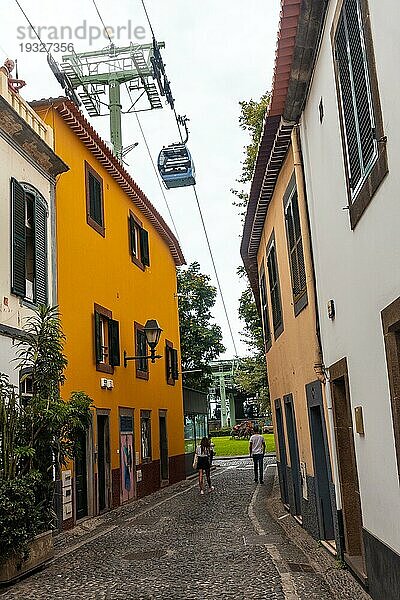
{"points": [[224, 446]]}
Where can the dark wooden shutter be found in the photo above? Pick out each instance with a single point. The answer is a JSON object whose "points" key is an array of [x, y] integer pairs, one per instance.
{"points": [[95, 199], [97, 338], [274, 288], [41, 278], [113, 342], [168, 363], [264, 309], [174, 356], [295, 245], [18, 262], [355, 92], [132, 236], [144, 247]]}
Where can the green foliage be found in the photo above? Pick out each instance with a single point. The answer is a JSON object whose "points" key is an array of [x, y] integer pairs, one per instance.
{"points": [[225, 431], [40, 433], [20, 516], [251, 119], [201, 339], [225, 446], [251, 373]]}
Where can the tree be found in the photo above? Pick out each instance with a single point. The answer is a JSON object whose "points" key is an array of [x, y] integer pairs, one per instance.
{"points": [[201, 339], [251, 374], [251, 119]]}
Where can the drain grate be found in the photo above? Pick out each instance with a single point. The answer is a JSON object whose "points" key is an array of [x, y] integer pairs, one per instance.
{"points": [[300, 567], [145, 555]]}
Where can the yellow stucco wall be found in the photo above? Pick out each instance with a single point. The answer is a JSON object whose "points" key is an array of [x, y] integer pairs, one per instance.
{"points": [[292, 356], [93, 269]]}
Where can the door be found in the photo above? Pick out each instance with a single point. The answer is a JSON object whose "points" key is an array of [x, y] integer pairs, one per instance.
{"points": [[293, 453], [81, 478], [347, 466], [282, 452], [164, 466], [322, 468], [103, 462], [127, 454]]}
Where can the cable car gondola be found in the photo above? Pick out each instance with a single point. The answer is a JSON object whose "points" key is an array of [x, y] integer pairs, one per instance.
{"points": [[176, 166]]}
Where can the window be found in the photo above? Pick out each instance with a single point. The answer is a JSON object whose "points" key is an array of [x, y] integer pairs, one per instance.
{"points": [[106, 340], [264, 310], [171, 363], [275, 293], [145, 434], [142, 364], [138, 242], [94, 200], [295, 247], [29, 243], [26, 385], [361, 119]]}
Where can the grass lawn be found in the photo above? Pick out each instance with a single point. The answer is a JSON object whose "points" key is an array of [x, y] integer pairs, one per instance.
{"points": [[224, 446]]}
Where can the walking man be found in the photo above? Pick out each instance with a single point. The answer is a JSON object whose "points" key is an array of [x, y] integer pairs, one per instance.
{"points": [[257, 451]]}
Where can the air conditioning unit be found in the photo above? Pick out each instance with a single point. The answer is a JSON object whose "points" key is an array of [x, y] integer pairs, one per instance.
{"points": [[103, 382], [110, 384]]}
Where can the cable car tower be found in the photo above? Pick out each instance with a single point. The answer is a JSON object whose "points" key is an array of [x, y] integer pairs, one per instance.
{"points": [[97, 76]]}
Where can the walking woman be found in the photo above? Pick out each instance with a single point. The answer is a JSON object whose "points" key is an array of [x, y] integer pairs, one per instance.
{"points": [[203, 454]]}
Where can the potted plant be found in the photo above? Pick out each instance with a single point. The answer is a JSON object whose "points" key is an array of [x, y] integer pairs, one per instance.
{"points": [[38, 437]]}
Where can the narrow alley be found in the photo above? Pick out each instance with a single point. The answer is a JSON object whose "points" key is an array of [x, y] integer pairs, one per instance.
{"points": [[178, 544]]}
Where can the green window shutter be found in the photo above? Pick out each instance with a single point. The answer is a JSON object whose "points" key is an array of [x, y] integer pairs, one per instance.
{"points": [[97, 338], [174, 356], [113, 342], [18, 258], [144, 247], [132, 236], [274, 288], [40, 252], [264, 309], [95, 200]]}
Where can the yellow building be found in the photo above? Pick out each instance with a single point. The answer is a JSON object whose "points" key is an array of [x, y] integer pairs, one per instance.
{"points": [[116, 268], [277, 253]]}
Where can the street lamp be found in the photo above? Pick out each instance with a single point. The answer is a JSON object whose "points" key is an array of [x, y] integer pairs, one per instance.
{"points": [[152, 332]]}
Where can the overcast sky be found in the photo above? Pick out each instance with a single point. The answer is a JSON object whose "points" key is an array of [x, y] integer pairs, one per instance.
{"points": [[217, 53]]}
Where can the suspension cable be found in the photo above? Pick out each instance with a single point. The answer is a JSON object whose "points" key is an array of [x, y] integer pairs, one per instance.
{"points": [[202, 221]]}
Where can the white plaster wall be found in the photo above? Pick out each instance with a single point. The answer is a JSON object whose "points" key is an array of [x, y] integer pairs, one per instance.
{"points": [[359, 269], [13, 315]]}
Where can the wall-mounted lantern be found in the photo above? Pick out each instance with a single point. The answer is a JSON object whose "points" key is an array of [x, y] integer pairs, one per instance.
{"points": [[152, 332]]}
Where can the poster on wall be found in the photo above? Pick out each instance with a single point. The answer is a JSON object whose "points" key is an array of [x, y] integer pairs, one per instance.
{"points": [[127, 466], [127, 458]]}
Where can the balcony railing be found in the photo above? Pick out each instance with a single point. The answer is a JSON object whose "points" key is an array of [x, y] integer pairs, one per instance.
{"points": [[25, 111]]}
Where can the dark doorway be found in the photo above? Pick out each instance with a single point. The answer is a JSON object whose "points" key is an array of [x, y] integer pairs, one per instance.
{"points": [[282, 452], [322, 467], [293, 453], [347, 465], [163, 446], [103, 461], [81, 478]]}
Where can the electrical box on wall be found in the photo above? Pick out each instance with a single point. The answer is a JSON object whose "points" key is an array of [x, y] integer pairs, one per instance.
{"points": [[110, 384], [103, 382], [358, 411], [331, 309]]}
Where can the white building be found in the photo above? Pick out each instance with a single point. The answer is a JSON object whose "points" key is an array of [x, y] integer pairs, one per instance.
{"points": [[351, 151], [28, 168]]}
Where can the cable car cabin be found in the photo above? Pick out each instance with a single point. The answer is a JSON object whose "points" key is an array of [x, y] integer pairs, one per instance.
{"points": [[176, 166]]}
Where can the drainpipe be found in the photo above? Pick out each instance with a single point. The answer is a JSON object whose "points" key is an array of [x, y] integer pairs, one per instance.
{"points": [[308, 258]]}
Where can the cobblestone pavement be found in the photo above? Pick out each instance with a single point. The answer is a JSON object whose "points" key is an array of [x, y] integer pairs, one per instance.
{"points": [[179, 545]]}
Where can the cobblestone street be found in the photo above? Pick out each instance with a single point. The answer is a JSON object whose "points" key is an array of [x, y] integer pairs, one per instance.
{"points": [[181, 545]]}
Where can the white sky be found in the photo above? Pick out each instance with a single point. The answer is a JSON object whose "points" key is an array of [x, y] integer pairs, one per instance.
{"points": [[217, 53]]}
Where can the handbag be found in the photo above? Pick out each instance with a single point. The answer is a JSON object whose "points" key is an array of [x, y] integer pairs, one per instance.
{"points": [[195, 459]]}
